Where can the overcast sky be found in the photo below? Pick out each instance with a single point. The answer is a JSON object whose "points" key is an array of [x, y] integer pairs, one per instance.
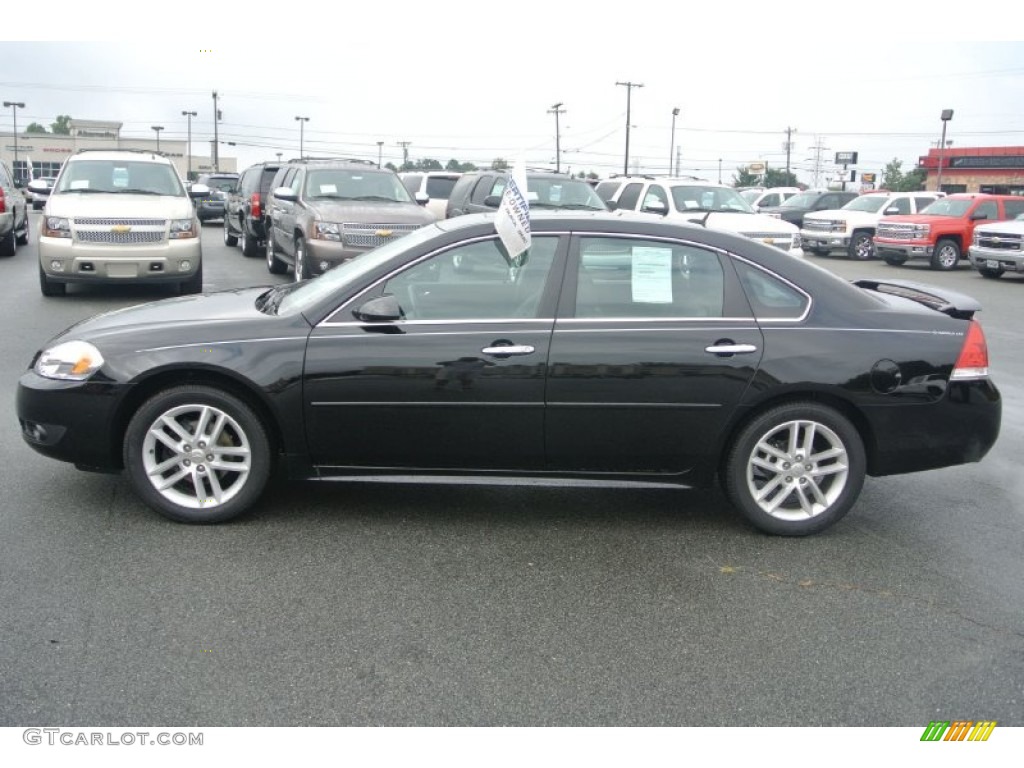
{"points": [[475, 81]]}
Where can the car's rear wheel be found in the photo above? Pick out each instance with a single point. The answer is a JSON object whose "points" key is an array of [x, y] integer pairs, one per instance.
{"points": [[23, 237], [197, 454], [301, 261], [230, 238], [795, 469], [250, 245], [992, 274], [7, 246], [49, 286], [274, 265], [194, 284], [862, 247], [946, 254]]}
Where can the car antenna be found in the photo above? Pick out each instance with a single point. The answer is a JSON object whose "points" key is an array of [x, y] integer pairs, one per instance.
{"points": [[703, 221]]}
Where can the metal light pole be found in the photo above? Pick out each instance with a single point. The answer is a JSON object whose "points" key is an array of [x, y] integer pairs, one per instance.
{"points": [[556, 110], [672, 143], [719, 170], [380, 152], [946, 116], [15, 106], [216, 138], [279, 156], [302, 134], [157, 128], [188, 117], [629, 90]]}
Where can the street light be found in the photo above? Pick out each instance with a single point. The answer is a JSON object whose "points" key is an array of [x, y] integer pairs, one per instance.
{"points": [[15, 106], [946, 116], [672, 142], [188, 116], [380, 152], [302, 134], [157, 128], [719, 170], [557, 110]]}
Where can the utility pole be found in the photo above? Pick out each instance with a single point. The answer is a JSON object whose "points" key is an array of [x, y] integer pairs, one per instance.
{"points": [[556, 110], [188, 116], [216, 140], [380, 152], [719, 170], [302, 135], [629, 90], [819, 150], [157, 128], [405, 153], [679, 159], [788, 147], [15, 106], [672, 143]]}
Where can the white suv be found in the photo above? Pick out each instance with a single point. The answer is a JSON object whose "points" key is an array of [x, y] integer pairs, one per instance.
{"points": [[717, 206], [120, 216], [436, 185], [851, 229]]}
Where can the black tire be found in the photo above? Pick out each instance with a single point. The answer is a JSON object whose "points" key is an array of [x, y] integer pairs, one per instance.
{"points": [[230, 239], [250, 245], [821, 251], [301, 265], [23, 237], [37, 206], [241, 442], [7, 245], [274, 265], [194, 284], [862, 247], [991, 274], [814, 492], [946, 255], [49, 286], [895, 261]]}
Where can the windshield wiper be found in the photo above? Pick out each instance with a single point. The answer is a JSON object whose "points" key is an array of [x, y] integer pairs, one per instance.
{"points": [[142, 192], [580, 207], [82, 190], [376, 197]]}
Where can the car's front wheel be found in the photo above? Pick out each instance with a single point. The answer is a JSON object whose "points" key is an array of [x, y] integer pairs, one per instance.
{"points": [[49, 286], [274, 265], [301, 262], [992, 274], [197, 454], [862, 247], [946, 255], [795, 469]]}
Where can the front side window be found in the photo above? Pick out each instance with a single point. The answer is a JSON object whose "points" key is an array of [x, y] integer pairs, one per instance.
{"points": [[988, 210], [900, 204], [630, 278], [120, 176], [474, 282], [655, 195], [629, 196], [867, 203], [698, 198], [923, 202]]}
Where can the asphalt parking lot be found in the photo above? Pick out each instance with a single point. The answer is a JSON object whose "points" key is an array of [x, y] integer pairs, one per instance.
{"points": [[360, 604]]}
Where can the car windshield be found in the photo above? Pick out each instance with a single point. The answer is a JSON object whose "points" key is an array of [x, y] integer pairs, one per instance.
{"points": [[309, 292], [120, 176], [803, 200], [695, 197], [347, 184], [563, 193], [948, 207], [868, 203], [222, 184]]}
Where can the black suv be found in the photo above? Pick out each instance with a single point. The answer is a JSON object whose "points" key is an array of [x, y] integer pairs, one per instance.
{"points": [[247, 208], [480, 191], [794, 208], [213, 205]]}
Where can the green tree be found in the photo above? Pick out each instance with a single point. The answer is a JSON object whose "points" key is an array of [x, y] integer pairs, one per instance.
{"points": [[391, 165], [499, 164], [428, 165], [744, 178], [914, 181], [62, 125], [36, 128], [777, 177], [892, 177]]}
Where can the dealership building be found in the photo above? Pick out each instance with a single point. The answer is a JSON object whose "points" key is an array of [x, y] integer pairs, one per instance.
{"points": [[997, 170], [47, 151]]}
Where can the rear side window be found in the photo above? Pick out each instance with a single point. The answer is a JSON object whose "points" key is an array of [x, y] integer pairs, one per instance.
{"points": [[265, 179], [770, 298], [1013, 208]]}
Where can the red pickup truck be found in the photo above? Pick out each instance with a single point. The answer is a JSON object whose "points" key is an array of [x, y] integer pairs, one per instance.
{"points": [[942, 232]]}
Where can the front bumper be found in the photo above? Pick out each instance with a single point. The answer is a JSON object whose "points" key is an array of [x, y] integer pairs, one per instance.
{"points": [[905, 249], [324, 254], [69, 261], [993, 258], [824, 241], [70, 421]]}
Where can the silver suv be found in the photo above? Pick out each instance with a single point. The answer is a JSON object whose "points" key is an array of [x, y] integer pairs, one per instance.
{"points": [[324, 212], [120, 216]]}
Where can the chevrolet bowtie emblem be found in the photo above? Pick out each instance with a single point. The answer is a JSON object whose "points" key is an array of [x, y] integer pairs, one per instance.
{"points": [[768, 240], [384, 233], [996, 240], [121, 228]]}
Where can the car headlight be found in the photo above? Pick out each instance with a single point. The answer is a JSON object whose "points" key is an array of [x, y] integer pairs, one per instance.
{"points": [[328, 230], [923, 230], [181, 228], [56, 226], [73, 360]]}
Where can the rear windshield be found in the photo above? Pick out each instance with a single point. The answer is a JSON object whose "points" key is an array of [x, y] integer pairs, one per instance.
{"points": [[440, 187]]}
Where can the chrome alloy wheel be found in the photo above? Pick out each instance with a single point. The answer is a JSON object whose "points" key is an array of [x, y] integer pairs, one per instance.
{"points": [[300, 260], [196, 456], [947, 255], [797, 470]]}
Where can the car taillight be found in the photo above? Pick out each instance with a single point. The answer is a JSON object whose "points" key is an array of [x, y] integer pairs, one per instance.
{"points": [[973, 360], [3, 202], [254, 205]]}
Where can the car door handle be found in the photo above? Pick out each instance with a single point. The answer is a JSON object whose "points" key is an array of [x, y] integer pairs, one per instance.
{"points": [[731, 349], [511, 349]]}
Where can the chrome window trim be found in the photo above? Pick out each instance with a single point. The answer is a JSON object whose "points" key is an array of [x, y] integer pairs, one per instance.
{"points": [[221, 343]]}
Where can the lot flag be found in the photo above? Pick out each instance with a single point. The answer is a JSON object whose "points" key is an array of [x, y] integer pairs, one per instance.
{"points": [[513, 219]]}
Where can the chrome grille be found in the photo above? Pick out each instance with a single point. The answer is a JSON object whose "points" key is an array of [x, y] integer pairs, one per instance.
{"points": [[367, 235], [824, 225], [1003, 241], [782, 240], [120, 222], [897, 231], [118, 238]]}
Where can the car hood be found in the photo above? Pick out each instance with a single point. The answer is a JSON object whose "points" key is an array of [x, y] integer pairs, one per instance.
{"points": [[202, 314], [915, 218], [370, 213], [741, 223], [848, 216], [75, 205]]}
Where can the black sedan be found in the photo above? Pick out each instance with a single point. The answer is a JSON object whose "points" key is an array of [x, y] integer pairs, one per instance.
{"points": [[619, 349]]}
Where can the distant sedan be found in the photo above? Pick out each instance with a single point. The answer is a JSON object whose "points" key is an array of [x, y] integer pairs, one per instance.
{"points": [[620, 349]]}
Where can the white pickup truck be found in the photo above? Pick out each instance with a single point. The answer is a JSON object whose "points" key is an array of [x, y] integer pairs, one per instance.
{"points": [[998, 247]]}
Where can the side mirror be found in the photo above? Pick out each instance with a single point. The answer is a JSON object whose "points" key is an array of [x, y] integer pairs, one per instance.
{"points": [[493, 201], [655, 206], [38, 187], [285, 193], [892, 210], [198, 190], [613, 205], [421, 198], [978, 216], [383, 309]]}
